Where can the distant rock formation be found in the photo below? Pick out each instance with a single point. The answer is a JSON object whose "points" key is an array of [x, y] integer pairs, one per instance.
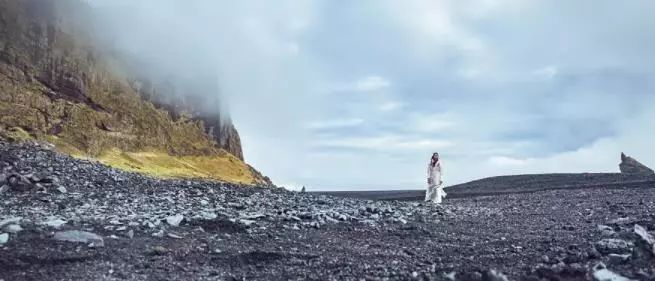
{"points": [[631, 166]]}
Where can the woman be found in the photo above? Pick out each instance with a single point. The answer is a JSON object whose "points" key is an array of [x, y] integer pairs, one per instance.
{"points": [[435, 192]]}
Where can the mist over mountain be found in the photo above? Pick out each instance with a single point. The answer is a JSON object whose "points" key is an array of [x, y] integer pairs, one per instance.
{"points": [[67, 79]]}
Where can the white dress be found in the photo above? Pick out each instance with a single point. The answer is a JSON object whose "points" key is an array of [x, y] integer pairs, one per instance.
{"points": [[435, 192]]}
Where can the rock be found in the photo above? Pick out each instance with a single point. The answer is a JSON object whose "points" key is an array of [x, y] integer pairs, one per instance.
{"points": [[606, 230], [80, 237], [645, 240], [159, 234], [616, 259], [12, 220], [130, 234], [3, 188], [4, 238], [157, 251], [13, 228], [174, 220], [493, 275], [54, 223], [247, 222], [631, 166], [19, 183], [174, 236], [61, 189], [613, 246], [601, 273]]}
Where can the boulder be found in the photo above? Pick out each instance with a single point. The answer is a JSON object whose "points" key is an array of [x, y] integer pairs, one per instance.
{"points": [[631, 166]]}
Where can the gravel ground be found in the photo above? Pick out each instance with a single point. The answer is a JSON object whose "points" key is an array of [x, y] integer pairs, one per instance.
{"points": [[65, 219]]}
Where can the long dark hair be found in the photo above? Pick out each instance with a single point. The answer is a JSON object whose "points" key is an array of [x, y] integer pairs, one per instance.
{"points": [[435, 159]]}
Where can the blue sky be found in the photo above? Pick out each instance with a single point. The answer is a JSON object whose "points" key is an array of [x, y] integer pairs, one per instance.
{"points": [[357, 94]]}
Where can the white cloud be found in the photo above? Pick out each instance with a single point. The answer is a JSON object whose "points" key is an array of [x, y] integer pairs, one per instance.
{"points": [[336, 123], [371, 83], [391, 106], [430, 123], [546, 72], [506, 161], [386, 143]]}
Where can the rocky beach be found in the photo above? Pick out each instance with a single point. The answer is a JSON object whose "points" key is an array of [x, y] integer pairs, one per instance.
{"points": [[69, 219]]}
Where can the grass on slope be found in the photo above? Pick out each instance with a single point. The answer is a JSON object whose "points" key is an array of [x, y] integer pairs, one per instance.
{"points": [[224, 167], [160, 164]]}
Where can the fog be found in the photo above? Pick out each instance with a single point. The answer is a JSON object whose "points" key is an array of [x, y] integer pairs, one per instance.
{"points": [[357, 95]]}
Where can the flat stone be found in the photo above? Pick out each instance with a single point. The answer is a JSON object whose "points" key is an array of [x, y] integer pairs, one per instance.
{"points": [[55, 223], [646, 239], [13, 228], [78, 236], [11, 220], [174, 220], [601, 273]]}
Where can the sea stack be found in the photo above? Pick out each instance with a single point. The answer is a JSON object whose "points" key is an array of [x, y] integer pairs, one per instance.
{"points": [[631, 166]]}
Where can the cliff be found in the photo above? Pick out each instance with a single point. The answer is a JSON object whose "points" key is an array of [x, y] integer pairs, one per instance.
{"points": [[57, 85]]}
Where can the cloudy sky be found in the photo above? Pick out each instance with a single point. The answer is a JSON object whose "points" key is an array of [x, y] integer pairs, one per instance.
{"points": [[357, 94]]}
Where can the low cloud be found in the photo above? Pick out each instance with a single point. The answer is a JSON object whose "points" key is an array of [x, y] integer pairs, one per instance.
{"points": [[371, 83]]}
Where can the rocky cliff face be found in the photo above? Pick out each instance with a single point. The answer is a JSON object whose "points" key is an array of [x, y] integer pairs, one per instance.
{"points": [[631, 166], [57, 85]]}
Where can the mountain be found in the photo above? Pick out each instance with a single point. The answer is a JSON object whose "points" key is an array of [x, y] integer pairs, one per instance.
{"points": [[57, 84]]}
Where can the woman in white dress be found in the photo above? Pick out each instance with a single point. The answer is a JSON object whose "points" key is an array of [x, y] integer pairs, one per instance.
{"points": [[435, 192]]}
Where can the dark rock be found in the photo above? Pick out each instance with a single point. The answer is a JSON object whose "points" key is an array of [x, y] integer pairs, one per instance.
{"points": [[613, 246], [18, 182], [631, 166], [80, 237], [645, 243]]}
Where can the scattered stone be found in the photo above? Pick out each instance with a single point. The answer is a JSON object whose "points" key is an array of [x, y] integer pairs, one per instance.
{"points": [[130, 234], [247, 222], [613, 246], [157, 251], [12, 220], [61, 189], [175, 220], [19, 183], [617, 259], [159, 234], [80, 237], [493, 275], [601, 273], [606, 230], [646, 240], [4, 238], [13, 228], [207, 215], [54, 223]]}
